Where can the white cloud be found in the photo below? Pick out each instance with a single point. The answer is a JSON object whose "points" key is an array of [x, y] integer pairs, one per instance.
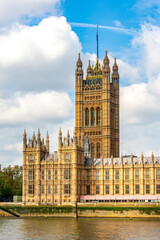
{"points": [[14, 147], [148, 44], [14, 10], [39, 57], [35, 108], [149, 4], [118, 23]]}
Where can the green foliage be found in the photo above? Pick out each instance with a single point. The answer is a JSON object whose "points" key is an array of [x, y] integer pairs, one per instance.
{"points": [[11, 181], [44, 210], [41, 209], [7, 191], [147, 210]]}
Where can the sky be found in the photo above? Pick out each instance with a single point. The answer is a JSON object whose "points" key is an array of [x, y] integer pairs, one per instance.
{"points": [[39, 45]]}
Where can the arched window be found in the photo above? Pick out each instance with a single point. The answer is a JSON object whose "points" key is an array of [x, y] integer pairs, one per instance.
{"points": [[98, 150], [92, 116], [92, 150], [87, 116], [98, 116]]}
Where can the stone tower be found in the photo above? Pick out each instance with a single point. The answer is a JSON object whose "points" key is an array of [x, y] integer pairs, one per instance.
{"points": [[97, 107]]}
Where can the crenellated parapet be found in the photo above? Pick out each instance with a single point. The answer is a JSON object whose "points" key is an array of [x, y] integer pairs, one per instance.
{"points": [[124, 161]]}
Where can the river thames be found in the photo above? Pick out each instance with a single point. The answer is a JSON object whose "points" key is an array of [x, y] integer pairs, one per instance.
{"points": [[81, 229]]}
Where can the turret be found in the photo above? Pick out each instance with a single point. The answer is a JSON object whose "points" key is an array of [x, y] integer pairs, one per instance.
{"points": [[68, 138], [33, 137], [115, 74], [79, 70], [38, 140], [152, 158], [79, 63], [106, 69], [47, 142], [106, 62], [89, 69], [60, 138], [24, 140]]}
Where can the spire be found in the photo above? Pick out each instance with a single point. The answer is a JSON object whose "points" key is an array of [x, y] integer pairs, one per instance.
{"points": [[89, 69], [24, 138], [79, 62], [38, 134], [106, 61], [47, 142], [68, 138], [33, 137], [115, 66], [24, 134], [60, 138], [38, 139]]}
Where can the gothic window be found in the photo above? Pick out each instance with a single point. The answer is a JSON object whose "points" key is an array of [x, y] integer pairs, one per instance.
{"points": [[92, 150], [56, 175], [67, 174], [158, 188], [31, 189], [116, 189], [117, 175], [98, 150], [126, 189], [137, 174], [30, 175], [97, 189], [158, 174], [49, 189], [88, 189], [67, 156], [87, 117], [147, 189], [92, 116], [66, 188], [107, 174], [137, 189], [126, 174], [97, 174], [98, 116], [42, 189], [147, 174], [49, 175], [107, 189], [31, 157], [88, 174], [42, 174], [55, 189]]}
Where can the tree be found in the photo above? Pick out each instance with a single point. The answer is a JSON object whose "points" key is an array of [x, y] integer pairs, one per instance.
{"points": [[11, 181]]}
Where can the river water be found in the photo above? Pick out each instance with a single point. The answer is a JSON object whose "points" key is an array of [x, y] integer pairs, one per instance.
{"points": [[81, 229]]}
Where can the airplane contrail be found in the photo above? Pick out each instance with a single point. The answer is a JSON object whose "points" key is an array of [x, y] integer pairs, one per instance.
{"points": [[115, 29]]}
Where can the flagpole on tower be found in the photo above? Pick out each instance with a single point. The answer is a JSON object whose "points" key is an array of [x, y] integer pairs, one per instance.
{"points": [[97, 41]]}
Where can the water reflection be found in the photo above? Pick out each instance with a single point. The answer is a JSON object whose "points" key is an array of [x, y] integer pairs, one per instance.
{"points": [[81, 229]]}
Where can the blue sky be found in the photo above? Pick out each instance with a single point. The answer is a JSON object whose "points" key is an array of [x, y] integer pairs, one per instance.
{"points": [[101, 13], [39, 45]]}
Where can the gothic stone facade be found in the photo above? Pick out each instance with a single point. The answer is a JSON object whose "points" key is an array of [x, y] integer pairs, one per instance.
{"points": [[88, 164]]}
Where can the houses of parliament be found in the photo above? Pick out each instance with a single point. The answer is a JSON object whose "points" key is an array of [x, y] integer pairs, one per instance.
{"points": [[88, 166]]}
